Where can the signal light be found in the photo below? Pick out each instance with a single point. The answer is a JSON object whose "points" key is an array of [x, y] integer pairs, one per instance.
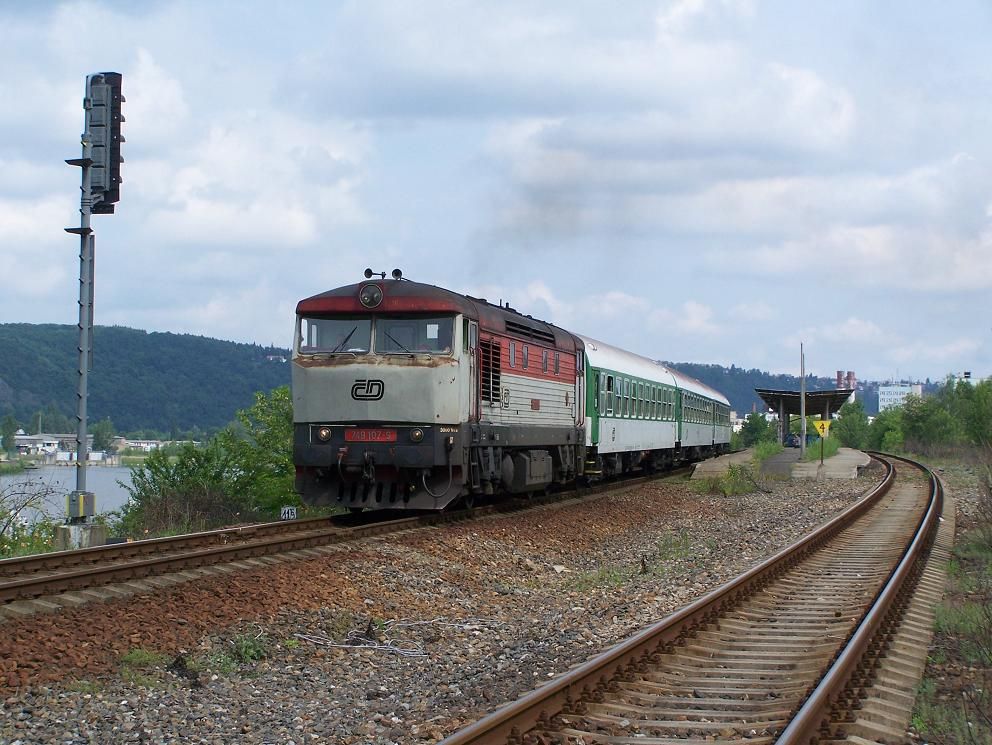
{"points": [[104, 117]]}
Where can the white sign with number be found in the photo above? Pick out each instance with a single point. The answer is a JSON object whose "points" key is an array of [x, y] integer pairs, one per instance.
{"points": [[288, 513]]}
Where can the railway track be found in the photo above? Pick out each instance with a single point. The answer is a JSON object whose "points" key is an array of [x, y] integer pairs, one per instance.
{"points": [[41, 576], [786, 653]]}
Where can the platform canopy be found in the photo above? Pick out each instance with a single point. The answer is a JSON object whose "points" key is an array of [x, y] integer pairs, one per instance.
{"points": [[823, 403]]}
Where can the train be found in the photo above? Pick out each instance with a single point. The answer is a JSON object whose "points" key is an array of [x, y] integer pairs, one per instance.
{"points": [[411, 396]]}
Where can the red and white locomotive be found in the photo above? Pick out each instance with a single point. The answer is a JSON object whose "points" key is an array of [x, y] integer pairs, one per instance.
{"points": [[407, 395]]}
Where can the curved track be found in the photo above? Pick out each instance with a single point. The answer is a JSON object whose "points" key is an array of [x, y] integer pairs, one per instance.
{"points": [[774, 655]]}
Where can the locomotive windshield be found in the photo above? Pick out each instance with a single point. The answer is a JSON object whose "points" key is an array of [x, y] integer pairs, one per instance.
{"points": [[393, 335], [410, 335], [335, 335]]}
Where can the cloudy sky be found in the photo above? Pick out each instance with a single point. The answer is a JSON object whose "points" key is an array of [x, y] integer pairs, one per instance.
{"points": [[694, 180]]}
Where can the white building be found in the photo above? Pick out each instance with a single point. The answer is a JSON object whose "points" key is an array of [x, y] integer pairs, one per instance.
{"points": [[895, 394]]}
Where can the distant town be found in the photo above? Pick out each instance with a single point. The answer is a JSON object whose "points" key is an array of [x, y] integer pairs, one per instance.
{"points": [[60, 449]]}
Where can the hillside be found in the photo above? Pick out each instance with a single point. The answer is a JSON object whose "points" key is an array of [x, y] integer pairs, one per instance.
{"points": [[738, 384], [141, 380], [177, 382]]}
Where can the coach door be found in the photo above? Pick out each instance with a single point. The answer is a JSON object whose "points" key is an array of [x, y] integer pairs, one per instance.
{"points": [[472, 344]]}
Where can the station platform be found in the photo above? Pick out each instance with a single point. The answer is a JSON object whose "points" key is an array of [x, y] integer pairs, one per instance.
{"points": [[844, 465], [718, 466]]}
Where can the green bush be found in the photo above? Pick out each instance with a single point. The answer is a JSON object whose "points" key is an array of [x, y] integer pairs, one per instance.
{"points": [[245, 473]]}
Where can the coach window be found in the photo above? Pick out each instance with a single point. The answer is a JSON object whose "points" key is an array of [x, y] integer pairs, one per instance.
{"points": [[544, 360], [609, 394], [640, 399], [557, 363], [627, 408], [601, 393], [525, 357], [513, 354]]}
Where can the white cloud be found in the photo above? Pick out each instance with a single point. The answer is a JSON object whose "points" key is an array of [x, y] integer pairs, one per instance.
{"points": [[753, 311], [156, 110]]}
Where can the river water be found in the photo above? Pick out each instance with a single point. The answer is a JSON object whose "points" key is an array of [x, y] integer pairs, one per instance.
{"points": [[58, 481]]}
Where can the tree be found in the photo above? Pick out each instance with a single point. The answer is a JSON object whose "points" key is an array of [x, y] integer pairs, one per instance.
{"points": [[8, 429], [974, 410], [261, 445], [103, 434], [756, 429], [885, 433], [927, 422], [852, 426]]}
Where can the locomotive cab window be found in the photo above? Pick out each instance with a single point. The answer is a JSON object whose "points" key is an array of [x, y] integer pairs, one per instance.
{"points": [[513, 354], [412, 335], [335, 335]]}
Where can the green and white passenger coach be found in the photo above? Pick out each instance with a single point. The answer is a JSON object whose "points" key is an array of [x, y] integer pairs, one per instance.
{"points": [[641, 413]]}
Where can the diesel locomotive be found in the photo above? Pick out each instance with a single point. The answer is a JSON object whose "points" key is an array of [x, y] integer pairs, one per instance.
{"points": [[411, 396]]}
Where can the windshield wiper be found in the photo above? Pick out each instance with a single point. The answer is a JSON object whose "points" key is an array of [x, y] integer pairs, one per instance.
{"points": [[345, 340], [390, 337]]}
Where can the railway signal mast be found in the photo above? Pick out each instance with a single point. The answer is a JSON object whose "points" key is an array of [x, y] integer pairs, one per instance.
{"points": [[101, 179]]}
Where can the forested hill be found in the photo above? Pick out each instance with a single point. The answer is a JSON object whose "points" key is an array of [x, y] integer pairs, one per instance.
{"points": [[175, 383], [140, 380]]}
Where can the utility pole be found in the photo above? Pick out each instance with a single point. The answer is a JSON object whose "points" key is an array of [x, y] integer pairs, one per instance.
{"points": [[101, 178], [802, 402]]}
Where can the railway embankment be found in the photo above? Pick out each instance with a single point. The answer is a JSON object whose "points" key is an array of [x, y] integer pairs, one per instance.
{"points": [[399, 639]]}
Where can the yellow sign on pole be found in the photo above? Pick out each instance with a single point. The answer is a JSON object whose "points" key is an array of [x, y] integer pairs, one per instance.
{"points": [[822, 426]]}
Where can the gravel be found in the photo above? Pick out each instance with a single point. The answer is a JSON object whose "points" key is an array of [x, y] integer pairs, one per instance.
{"points": [[399, 639]]}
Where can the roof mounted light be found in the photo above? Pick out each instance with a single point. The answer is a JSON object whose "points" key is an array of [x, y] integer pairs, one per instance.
{"points": [[397, 274]]}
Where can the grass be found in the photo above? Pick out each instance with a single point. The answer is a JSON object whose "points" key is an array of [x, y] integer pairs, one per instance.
{"points": [[249, 648], [737, 479], [763, 451], [10, 468], [137, 665], [142, 659], [830, 447], [669, 547], [84, 686], [954, 700], [242, 649], [604, 576]]}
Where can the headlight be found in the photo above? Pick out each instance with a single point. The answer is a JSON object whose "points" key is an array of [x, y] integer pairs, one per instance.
{"points": [[417, 434], [324, 434], [370, 296]]}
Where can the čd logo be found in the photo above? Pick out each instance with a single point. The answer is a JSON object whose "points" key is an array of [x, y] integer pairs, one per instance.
{"points": [[367, 390]]}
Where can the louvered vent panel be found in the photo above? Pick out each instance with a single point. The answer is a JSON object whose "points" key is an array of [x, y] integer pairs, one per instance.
{"points": [[537, 334], [489, 368]]}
